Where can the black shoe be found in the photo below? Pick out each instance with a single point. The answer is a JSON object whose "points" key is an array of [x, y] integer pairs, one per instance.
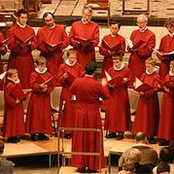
{"points": [[81, 170], [67, 136], [152, 140], [163, 142], [111, 135], [13, 140], [92, 171], [42, 137], [120, 136], [34, 137]]}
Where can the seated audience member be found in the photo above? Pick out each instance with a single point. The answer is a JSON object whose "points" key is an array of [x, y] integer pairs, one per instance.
{"points": [[149, 156], [127, 168], [163, 168], [6, 166]]}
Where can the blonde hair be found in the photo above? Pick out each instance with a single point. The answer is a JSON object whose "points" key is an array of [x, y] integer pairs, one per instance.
{"points": [[40, 61], [172, 64], [10, 72], [142, 16], [151, 61]]}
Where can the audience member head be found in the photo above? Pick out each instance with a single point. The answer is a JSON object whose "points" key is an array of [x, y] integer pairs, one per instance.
{"points": [[166, 155], [91, 68], [41, 64], [129, 167], [72, 55], [141, 137], [86, 14], [150, 65], [13, 75], [163, 168], [114, 27], [48, 17], [142, 21], [117, 60], [1, 147], [169, 24], [22, 16]]}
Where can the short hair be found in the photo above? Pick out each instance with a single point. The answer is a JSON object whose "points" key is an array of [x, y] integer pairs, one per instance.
{"points": [[142, 16], [71, 50], [163, 167], [46, 14], [90, 68], [151, 61], [129, 166], [1, 146], [10, 72], [87, 7], [140, 136], [113, 22], [117, 56], [21, 11], [169, 21], [40, 61], [166, 155]]}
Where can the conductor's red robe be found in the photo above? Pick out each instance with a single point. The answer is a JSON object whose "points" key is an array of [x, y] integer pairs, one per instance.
{"points": [[103, 50], [67, 118], [14, 114], [21, 58], [137, 59], [166, 46], [118, 109], [2, 52], [86, 31], [38, 119], [166, 118], [147, 112], [87, 91], [53, 35]]}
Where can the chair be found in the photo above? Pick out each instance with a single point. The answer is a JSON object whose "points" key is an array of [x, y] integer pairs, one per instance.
{"points": [[101, 5]]}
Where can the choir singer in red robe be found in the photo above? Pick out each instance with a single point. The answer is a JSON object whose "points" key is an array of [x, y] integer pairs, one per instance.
{"points": [[88, 91], [84, 36], [52, 40], [22, 42]]}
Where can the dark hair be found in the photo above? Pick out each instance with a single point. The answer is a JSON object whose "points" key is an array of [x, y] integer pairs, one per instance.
{"points": [[1, 146], [91, 68], [117, 56], [113, 22], [140, 136], [71, 50], [163, 167], [21, 11], [169, 21], [46, 14], [166, 155]]}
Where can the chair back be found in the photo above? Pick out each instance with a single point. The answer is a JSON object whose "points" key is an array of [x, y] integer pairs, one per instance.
{"points": [[55, 98]]}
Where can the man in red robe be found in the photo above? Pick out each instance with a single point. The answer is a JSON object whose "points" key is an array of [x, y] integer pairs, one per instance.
{"points": [[88, 91], [52, 39], [140, 52], [22, 42], [84, 36], [112, 44], [166, 46]]}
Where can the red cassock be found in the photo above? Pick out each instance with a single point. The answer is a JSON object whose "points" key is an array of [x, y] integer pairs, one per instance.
{"points": [[75, 71], [147, 112], [14, 114], [21, 57], [166, 46], [87, 91], [86, 31], [118, 111], [38, 119], [1, 52], [112, 41], [55, 35], [137, 59], [166, 118]]}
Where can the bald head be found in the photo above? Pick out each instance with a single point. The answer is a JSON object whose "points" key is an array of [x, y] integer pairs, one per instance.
{"points": [[140, 136]]}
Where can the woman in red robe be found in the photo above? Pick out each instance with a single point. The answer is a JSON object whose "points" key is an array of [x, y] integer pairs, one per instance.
{"points": [[117, 118], [52, 39], [88, 91], [147, 112], [22, 42], [14, 114], [68, 72], [166, 118], [38, 119], [111, 44], [85, 30]]}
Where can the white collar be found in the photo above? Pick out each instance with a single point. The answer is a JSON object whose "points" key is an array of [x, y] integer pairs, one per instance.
{"points": [[67, 62], [143, 30], [154, 70], [89, 75], [171, 74], [121, 67], [52, 26], [22, 26], [16, 82], [85, 23], [37, 70], [113, 35], [171, 34]]}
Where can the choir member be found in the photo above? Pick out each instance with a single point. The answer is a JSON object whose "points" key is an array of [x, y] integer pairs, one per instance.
{"points": [[144, 41], [84, 36], [68, 72], [147, 112], [117, 118], [166, 46], [13, 114], [88, 91], [52, 40], [22, 42], [111, 44], [166, 118], [38, 119]]}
